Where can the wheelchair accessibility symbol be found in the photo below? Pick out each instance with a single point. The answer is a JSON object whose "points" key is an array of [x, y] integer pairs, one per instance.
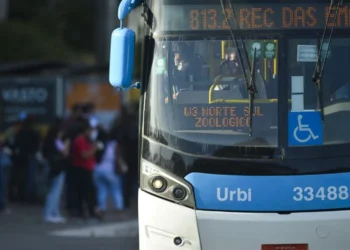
{"points": [[301, 128], [305, 128]]}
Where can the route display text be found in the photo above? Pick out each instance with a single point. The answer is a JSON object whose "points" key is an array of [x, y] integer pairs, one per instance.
{"points": [[224, 116], [256, 16]]}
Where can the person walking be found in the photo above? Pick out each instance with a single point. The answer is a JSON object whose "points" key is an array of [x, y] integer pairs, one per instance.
{"points": [[83, 154], [56, 154], [107, 179]]}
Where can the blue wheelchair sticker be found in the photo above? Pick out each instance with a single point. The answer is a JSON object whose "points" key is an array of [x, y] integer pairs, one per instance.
{"points": [[305, 128]]}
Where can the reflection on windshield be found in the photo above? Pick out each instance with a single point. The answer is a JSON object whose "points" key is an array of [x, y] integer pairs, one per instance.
{"points": [[197, 93], [341, 94]]}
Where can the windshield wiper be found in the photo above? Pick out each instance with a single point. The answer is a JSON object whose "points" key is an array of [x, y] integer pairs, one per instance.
{"points": [[240, 58], [319, 67], [252, 91], [250, 86]]}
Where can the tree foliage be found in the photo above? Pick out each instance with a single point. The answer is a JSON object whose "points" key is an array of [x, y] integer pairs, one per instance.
{"points": [[26, 41], [76, 22], [47, 29]]}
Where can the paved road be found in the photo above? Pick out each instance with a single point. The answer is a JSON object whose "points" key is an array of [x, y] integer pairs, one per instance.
{"points": [[23, 229]]}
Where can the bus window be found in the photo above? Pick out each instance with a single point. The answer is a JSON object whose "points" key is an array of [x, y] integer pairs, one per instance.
{"points": [[198, 88], [303, 92], [199, 65]]}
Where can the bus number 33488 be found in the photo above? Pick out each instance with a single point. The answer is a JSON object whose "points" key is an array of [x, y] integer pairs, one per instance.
{"points": [[331, 193]]}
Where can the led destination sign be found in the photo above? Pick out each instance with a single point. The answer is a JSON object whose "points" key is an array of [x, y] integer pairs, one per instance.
{"points": [[279, 16], [224, 116]]}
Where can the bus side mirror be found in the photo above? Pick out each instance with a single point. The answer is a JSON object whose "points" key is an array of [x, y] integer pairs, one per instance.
{"points": [[121, 66]]}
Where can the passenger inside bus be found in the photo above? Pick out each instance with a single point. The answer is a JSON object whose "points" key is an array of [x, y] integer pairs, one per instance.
{"points": [[230, 65], [184, 69], [187, 68], [231, 77]]}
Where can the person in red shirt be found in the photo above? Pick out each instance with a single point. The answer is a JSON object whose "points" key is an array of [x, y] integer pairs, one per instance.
{"points": [[83, 157]]}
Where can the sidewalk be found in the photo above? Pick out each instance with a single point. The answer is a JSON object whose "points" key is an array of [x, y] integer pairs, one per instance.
{"points": [[25, 219], [24, 229]]}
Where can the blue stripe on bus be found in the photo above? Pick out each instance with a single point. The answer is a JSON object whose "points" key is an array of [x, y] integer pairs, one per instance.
{"points": [[270, 193]]}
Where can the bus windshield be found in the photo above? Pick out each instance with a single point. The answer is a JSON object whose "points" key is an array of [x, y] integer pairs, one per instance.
{"points": [[198, 95], [197, 99]]}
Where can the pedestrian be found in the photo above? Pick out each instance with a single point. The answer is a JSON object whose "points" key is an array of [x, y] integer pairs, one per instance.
{"points": [[27, 163], [56, 153], [72, 129], [107, 179], [5, 164], [83, 154], [126, 129]]}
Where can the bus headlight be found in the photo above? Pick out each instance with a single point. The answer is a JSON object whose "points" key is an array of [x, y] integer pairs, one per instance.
{"points": [[179, 193], [159, 182]]}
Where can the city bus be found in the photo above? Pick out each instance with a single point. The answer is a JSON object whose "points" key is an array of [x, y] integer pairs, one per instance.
{"points": [[244, 122]]}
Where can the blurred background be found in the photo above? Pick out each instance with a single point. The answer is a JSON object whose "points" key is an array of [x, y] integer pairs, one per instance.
{"points": [[54, 55]]}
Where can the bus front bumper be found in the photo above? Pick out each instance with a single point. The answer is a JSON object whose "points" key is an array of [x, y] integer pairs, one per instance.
{"points": [[163, 225]]}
